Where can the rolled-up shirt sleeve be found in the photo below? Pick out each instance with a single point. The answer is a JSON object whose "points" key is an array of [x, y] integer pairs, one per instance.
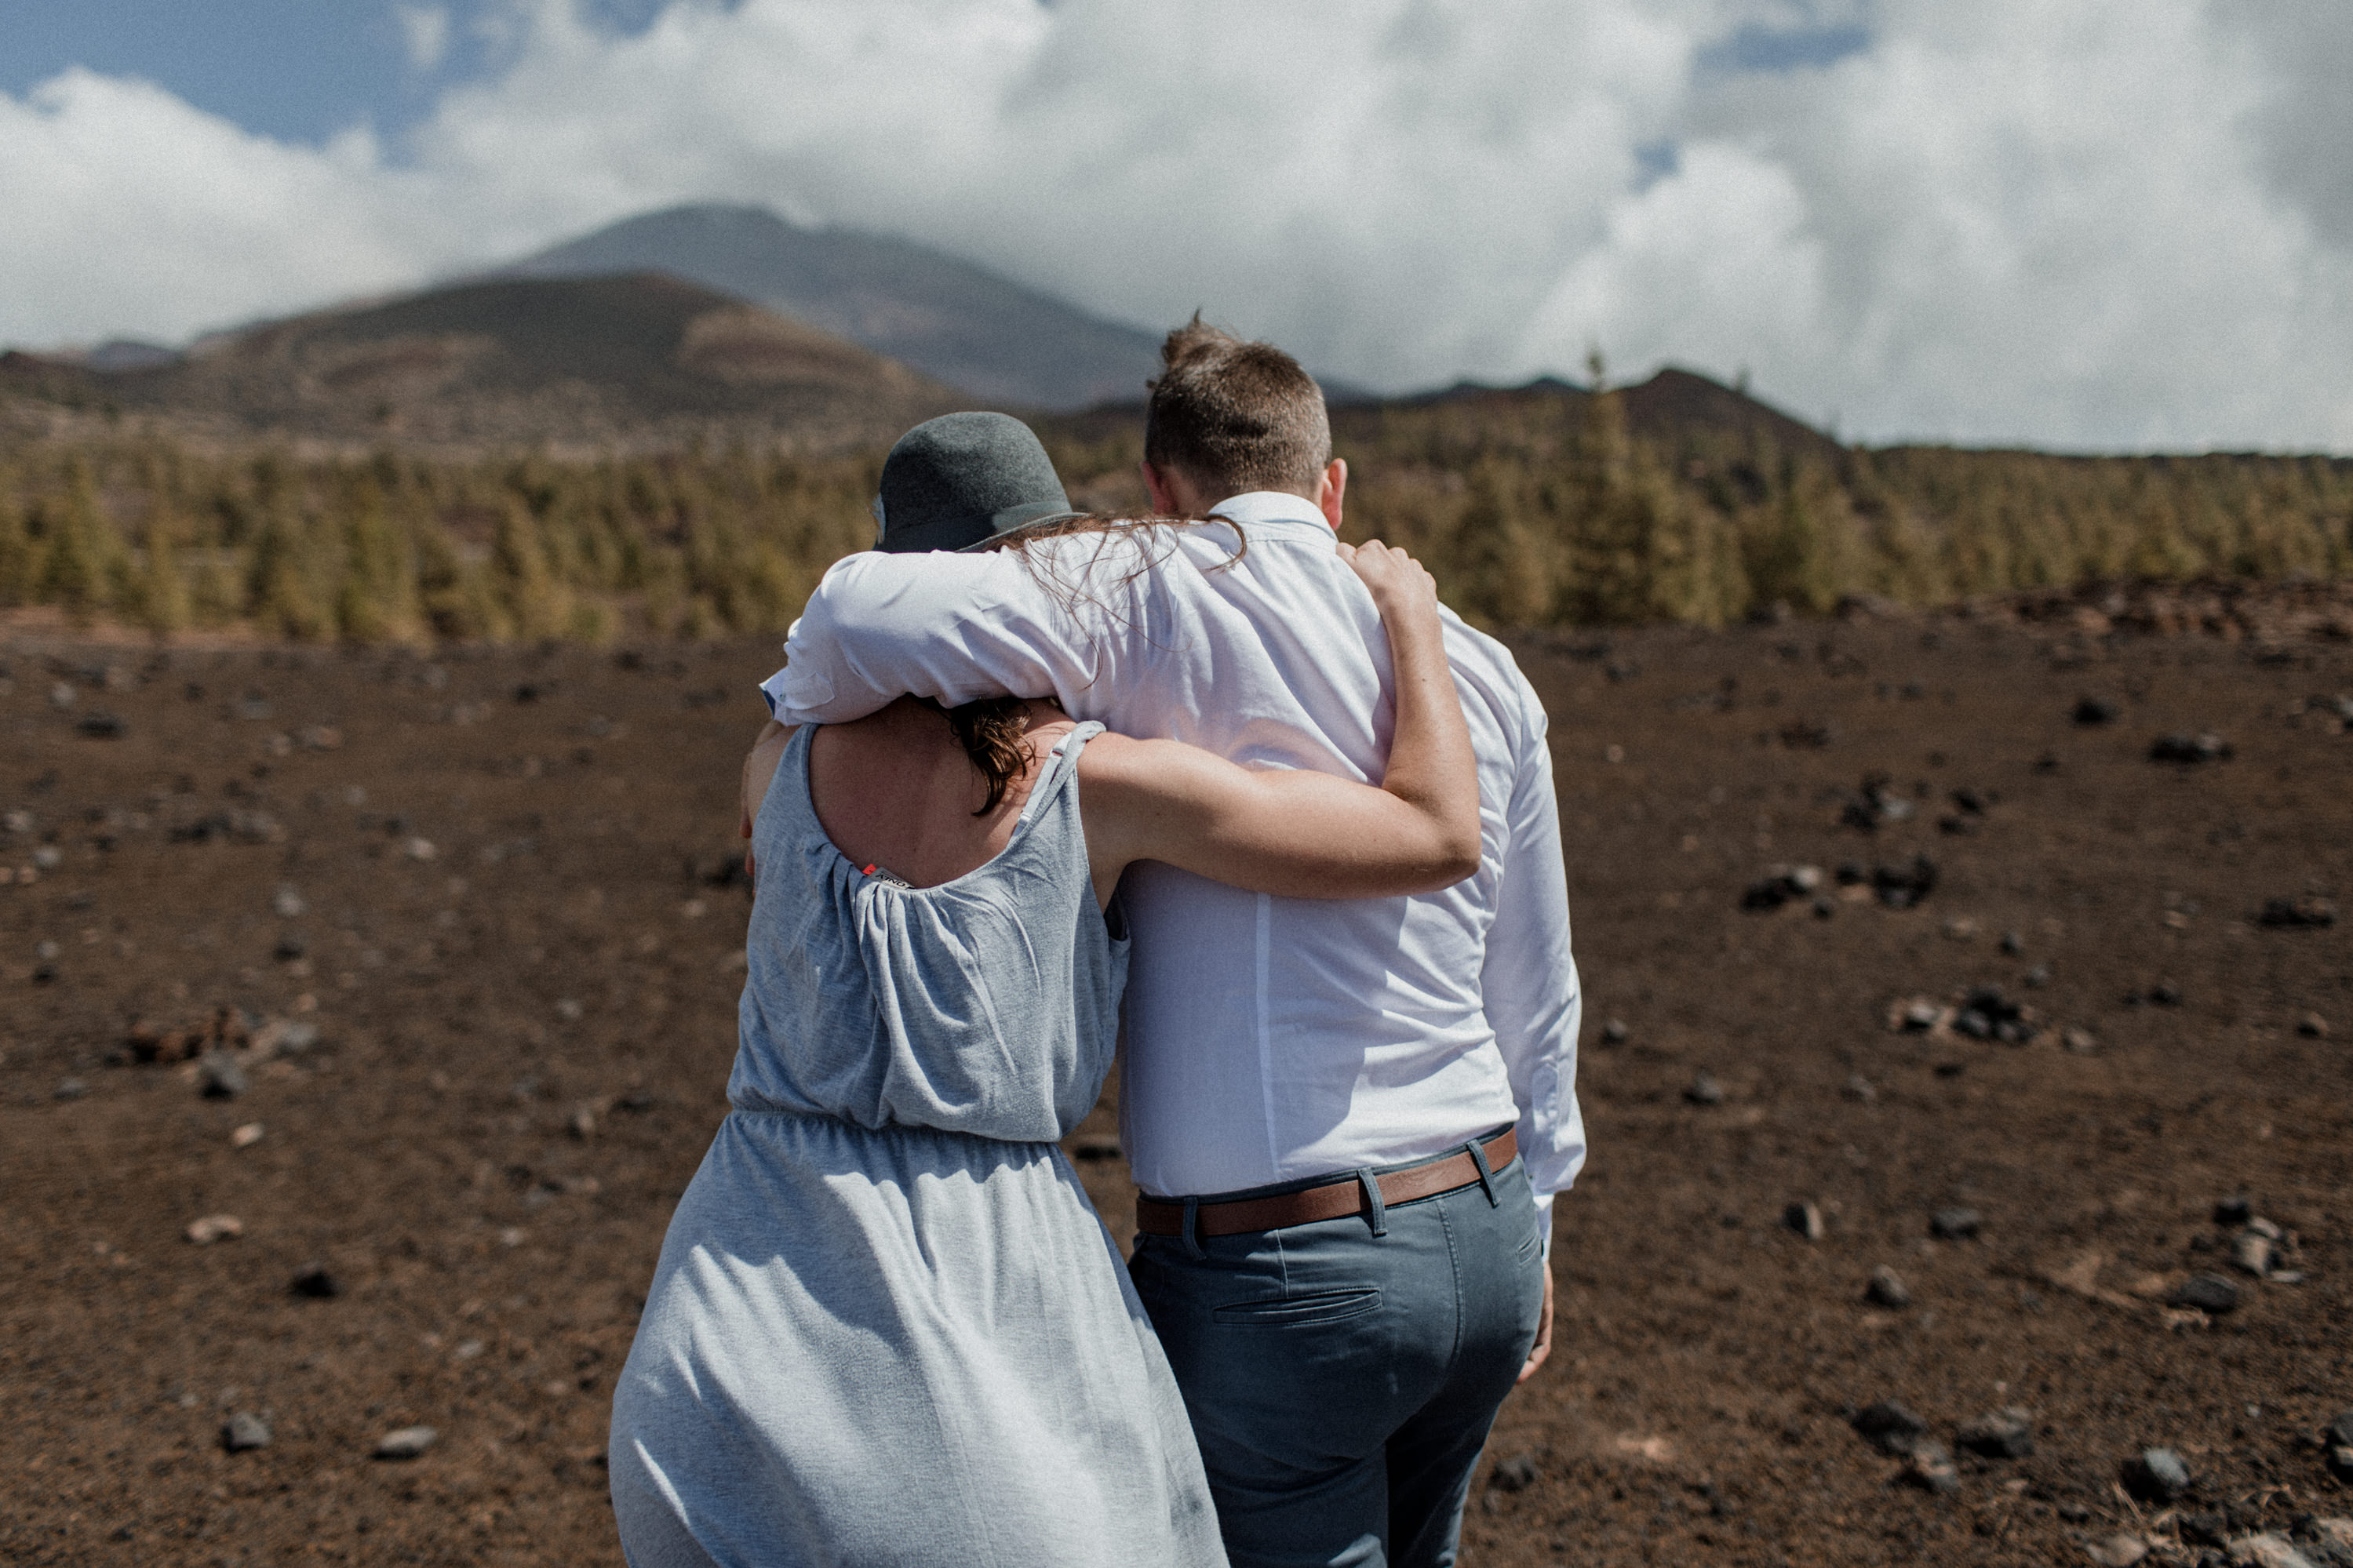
{"points": [[1529, 981], [956, 627]]}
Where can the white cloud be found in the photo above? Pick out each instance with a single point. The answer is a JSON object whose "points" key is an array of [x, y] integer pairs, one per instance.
{"points": [[425, 30], [2095, 222], [128, 211]]}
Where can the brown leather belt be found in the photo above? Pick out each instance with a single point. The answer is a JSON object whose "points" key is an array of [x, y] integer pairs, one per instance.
{"points": [[1333, 1199]]}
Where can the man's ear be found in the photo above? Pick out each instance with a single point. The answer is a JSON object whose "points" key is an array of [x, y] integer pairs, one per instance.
{"points": [[1329, 488], [1161, 487]]}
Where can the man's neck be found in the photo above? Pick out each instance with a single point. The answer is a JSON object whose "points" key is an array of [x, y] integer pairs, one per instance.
{"points": [[1306, 506], [1176, 493]]}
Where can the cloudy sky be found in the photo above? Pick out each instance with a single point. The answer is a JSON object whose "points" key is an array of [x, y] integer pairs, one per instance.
{"points": [[2103, 223]]}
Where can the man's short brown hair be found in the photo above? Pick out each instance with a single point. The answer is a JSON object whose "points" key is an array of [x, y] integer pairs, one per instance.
{"points": [[1235, 416]]}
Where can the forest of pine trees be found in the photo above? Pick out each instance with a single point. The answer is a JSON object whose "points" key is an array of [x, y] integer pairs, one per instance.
{"points": [[1532, 509]]}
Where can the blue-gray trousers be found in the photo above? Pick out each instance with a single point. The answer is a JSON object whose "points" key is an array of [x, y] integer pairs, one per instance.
{"points": [[1341, 1383]]}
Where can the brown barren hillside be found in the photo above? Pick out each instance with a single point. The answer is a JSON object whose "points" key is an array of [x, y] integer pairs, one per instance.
{"points": [[640, 361]]}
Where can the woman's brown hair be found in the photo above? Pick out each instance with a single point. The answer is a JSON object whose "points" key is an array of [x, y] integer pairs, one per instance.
{"points": [[993, 732]]}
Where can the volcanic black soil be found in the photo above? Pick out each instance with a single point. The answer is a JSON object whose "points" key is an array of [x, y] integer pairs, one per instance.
{"points": [[461, 933]]}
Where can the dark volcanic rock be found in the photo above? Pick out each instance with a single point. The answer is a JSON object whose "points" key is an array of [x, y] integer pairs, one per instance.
{"points": [[1516, 1474], [2090, 710], [1876, 803], [1887, 1288], [1902, 887], [1955, 1223], [1988, 1015], [2156, 1476], [221, 1076], [243, 1430], [2337, 1442], [1781, 885], [2206, 1294], [2004, 1434], [2234, 1211], [2188, 750], [1704, 1091], [2297, 914], [1805, 1219], [1929, 1466], [315, 1284], [407, 1442], [101, 727], [1889, 1427]]}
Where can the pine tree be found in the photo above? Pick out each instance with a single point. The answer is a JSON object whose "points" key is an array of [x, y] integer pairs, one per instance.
{"points": [[161, 590], [284, 593], [24, 556], [78, 571]]}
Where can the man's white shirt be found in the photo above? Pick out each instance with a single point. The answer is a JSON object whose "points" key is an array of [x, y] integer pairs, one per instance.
{"points": [[1269, 1039]]}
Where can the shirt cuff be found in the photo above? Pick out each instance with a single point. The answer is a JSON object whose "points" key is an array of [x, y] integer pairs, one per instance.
{"points": [[792, 694], [1544, 1222]]}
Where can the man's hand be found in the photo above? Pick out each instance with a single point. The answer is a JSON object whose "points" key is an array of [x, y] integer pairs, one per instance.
{"points": [[1543, 1347]]}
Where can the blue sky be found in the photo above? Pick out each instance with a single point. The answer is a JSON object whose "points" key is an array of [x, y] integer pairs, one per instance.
{"points": [[2078, 223], [298, 71]]}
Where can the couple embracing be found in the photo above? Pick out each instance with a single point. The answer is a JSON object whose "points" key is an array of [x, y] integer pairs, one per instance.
{"points": [[1217, 777]]}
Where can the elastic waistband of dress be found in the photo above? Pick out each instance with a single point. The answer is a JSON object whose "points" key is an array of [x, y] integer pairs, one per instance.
{"points": [[826, 1118]]}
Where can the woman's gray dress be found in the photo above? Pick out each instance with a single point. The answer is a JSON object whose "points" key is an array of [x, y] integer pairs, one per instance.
{"points": [[887, 1327]]}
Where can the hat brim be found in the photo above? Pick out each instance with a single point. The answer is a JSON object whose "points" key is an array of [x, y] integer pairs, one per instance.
{"points": [[1016, 529]]}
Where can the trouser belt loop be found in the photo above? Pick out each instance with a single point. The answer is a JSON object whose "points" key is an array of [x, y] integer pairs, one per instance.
{"points": [[1486, 1177], [1372, 1185], [1190, 1229]]}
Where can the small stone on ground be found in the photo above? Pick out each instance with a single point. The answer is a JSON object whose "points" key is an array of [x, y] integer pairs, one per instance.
{"points": [[1515, 1474], [1887, 1288], [1889, 1427], [2156, 1475], [2208, 1293], [2004, 1434], [243, 1430], [220, 1076], [407, 1442], [2269, 1550]]}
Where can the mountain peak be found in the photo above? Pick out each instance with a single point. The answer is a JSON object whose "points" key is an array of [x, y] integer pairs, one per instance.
{"points": [[953, 320]]}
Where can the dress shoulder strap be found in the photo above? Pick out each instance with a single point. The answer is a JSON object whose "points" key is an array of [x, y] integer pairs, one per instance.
{"points": [[1061, 771]]}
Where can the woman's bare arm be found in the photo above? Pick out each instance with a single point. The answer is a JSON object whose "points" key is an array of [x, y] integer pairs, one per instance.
{"points": [[1304, 834], [759, 768]]}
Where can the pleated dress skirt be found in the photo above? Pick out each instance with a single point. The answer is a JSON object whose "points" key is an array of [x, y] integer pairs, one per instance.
{"points": [[898, 1346]]}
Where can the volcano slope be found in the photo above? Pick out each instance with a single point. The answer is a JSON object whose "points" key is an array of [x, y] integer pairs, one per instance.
{"points": [[473, 916]]}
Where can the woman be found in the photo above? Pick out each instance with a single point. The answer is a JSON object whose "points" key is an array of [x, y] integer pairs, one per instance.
{"points": [[887, 1327]]}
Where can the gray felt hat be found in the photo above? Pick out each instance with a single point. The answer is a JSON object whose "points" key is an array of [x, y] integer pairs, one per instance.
{"points": [[962, 480]]}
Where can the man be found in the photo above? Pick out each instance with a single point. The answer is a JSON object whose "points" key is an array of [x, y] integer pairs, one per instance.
{"points": [[1348, 1119]]}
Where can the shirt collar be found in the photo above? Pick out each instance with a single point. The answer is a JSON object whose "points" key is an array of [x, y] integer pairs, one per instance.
{"points": [[1257, 508]]}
